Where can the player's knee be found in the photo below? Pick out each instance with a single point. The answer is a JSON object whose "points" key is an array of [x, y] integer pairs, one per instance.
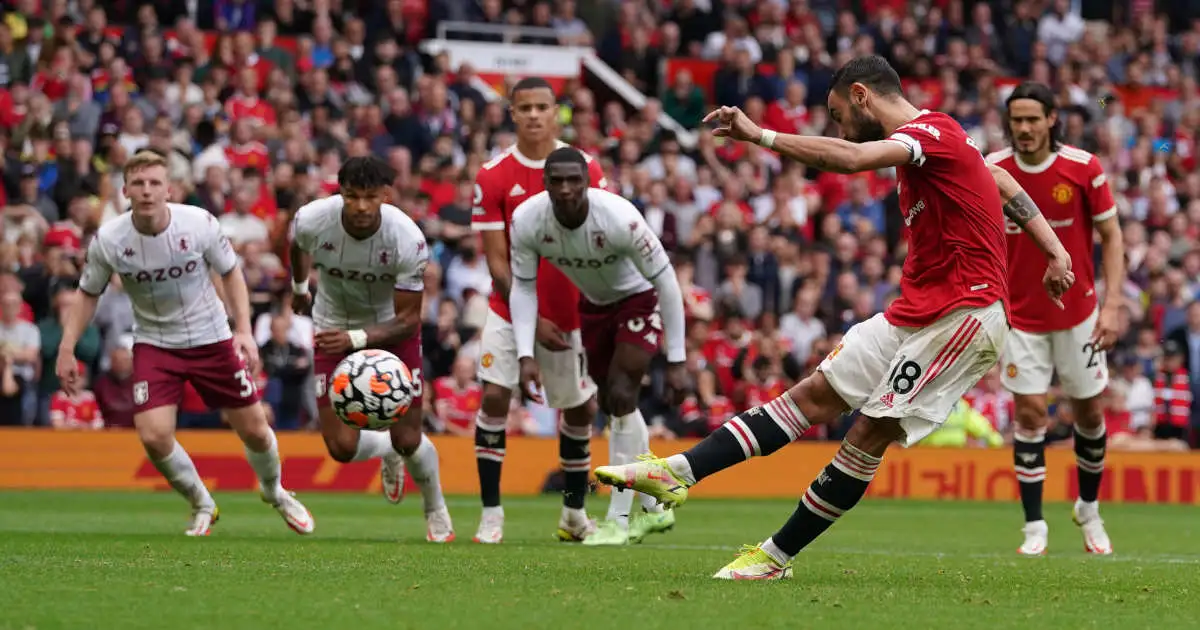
{"points": [[250, 424], [1089, 413], [406, 437], [495, 400], [342, 447], [873, 435], [1031, 414], [580, 416], [817, 399]]}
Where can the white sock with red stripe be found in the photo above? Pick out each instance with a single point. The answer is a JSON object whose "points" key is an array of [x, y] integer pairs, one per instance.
{"points": [[758, 431], [267, 468], [372, 444], [628, 438], [180, 472], [837, 489]]}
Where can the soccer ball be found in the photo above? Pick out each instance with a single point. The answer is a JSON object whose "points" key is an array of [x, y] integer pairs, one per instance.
{"points": [[371, 389]]}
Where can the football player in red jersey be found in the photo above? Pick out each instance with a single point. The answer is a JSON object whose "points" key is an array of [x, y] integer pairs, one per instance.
{"points": [[903, 369], [500, 186], [1070, 187]]}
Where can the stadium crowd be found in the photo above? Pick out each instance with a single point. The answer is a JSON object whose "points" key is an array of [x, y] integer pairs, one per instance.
{"points": [[256, 103]]}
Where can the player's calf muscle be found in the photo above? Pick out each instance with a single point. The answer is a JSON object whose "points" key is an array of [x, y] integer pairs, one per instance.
{"points": [[406, 434], [496, 400], [1031, 413], [340, 440], [1089, 413], [817, 400]]}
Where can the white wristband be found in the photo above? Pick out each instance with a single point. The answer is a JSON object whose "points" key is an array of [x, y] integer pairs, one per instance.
{"points": [[358, 339], [768, 139], [300, 288]]}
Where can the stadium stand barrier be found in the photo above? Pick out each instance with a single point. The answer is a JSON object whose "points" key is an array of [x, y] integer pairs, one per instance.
{"points": [[32, 459], [494, 62]]}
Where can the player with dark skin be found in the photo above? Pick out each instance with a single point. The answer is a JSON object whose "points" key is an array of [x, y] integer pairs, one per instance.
{"points": [[567, 185], [361, 218], [535, 114]]}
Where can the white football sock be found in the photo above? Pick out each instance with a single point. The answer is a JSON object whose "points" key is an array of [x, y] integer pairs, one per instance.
{"points": [[180, 472], [372, 444], [266, 467], [628, 438], [423, 466], [682, 467]]}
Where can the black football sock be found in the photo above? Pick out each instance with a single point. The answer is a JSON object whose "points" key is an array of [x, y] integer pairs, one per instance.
{"points": [[489, 456], [1029, 462], [1090, 446], [758, 431], [835, 490], [575, 456]]}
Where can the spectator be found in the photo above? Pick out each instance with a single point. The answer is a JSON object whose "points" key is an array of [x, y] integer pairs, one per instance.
{"points": [[21, 345], [78, 411], [50, 329], [12, 389], [287, 366], [738, 290], [114, 387], [1173, 396], [457, 398]]}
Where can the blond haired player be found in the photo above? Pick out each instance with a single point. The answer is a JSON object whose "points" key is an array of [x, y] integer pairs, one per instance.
{"points": [[163, 253], [372, 258]]}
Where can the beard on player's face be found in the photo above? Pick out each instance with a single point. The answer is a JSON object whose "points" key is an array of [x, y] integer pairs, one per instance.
{"points": [[862, 127]]}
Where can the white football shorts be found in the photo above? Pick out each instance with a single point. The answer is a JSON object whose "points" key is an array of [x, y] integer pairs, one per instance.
{"points": [[1031, 359], [915, 375], [564, 374]]}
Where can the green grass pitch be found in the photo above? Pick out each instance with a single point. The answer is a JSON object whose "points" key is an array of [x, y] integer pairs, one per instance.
{"points": [[120, 561]]}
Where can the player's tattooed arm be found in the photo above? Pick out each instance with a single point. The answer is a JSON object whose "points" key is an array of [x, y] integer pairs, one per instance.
{"points": [[405, 324], [1020, 209]]}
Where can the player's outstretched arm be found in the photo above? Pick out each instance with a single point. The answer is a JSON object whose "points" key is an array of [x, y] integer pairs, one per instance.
{"points": [[827, 154]]}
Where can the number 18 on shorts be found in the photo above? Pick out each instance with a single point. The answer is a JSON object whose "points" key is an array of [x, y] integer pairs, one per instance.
{"points": [[915, 375]]}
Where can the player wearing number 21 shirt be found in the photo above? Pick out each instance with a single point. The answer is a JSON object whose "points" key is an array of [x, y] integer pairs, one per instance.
{"points": [[164, 254], [371, 258], [904, 369], [604, 246], [1070, 187]]}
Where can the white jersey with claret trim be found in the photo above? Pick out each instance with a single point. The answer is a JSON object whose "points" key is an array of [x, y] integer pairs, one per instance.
{"points": [[166, 276], [358, 278]]}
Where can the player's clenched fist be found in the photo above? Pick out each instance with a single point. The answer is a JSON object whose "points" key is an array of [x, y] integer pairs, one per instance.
{"points": [[732, 122], [302, 303], [1058, 278], [67, 369], [531, 380]]}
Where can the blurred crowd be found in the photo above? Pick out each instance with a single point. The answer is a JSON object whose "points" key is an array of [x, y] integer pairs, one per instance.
{"points": [[256, 103]]}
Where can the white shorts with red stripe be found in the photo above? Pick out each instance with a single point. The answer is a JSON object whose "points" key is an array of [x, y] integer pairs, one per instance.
{"points": [[916, 374]]}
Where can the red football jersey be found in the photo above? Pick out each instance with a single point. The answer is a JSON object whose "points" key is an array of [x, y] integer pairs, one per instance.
{"points": [[720, 351], [254, 109], [500, 186], [1072, 192], [952, 209], [455, 406], [80, 412], [251, 154]]}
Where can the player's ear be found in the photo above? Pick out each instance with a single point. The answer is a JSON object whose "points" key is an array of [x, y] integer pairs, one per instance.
{"points": [[859, 94]]}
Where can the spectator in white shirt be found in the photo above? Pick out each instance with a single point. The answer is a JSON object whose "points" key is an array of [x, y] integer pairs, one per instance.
{"points": [[802, 326], [240, 226], [1059, 28]]}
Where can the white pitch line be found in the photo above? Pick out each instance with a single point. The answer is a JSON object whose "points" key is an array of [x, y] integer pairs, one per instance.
{"points": [[1142, 559]]}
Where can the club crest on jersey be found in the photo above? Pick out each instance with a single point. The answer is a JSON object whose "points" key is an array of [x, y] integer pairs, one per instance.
{"points": [[486, 359], [1011, 370], [183, 245], [1062, 193], [599, 239], [383, 258], [141, 392]]}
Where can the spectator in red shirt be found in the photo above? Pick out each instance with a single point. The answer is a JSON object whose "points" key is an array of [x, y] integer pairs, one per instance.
{"points": [[246, 104], [457, 397], [1172, 395], [80, 411]]}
